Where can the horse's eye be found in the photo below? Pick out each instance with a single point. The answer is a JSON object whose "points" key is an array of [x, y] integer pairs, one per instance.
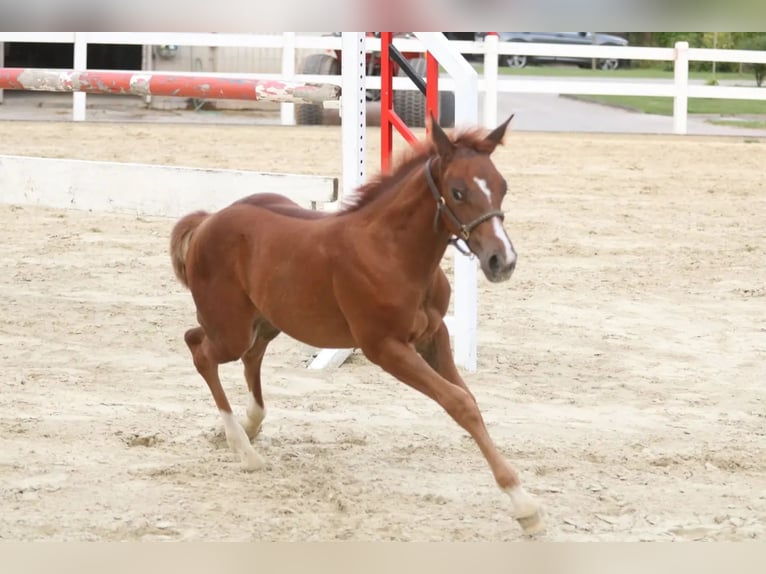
{"points": [[457, 194]]}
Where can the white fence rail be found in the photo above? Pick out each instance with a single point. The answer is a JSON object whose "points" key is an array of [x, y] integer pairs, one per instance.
{"points": [[490, 82], [145, 189]]}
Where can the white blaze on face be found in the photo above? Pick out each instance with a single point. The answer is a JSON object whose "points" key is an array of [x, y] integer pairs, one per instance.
{"points": [[497, 225]]}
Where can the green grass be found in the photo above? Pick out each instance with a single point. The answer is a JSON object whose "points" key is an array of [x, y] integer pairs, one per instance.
{"points": [[753, 124], [664, 106], [632, 72], [650, 104]]}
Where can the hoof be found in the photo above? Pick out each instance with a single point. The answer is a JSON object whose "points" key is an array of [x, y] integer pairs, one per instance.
{"points": [[526, 511], [251, 430], [252, 461], [532, 524]]}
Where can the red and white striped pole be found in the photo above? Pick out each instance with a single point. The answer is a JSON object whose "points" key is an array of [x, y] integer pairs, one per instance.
{"points": [[154, 84]]}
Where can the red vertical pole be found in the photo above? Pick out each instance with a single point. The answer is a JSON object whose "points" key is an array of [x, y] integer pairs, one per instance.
{"points": [[432, 87], [386, 101]]}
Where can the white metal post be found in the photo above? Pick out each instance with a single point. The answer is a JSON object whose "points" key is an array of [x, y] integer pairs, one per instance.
{"points": [[681, 77], [287, 109], [466, 114], [491, 57], [2, 65], [79, 102], [147, 64], [353, 109]]}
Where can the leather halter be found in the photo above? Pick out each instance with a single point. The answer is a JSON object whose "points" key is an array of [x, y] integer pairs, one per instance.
{"points": [[463, 229]]}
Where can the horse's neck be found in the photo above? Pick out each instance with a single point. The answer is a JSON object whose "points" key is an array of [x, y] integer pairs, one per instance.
{"points": [[408, 212]]}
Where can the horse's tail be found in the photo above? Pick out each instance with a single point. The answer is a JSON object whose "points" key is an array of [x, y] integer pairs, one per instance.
{"points": [[180, 239]]}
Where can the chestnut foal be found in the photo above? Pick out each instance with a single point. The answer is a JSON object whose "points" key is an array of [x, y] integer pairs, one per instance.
{"points": [[366, 277]]}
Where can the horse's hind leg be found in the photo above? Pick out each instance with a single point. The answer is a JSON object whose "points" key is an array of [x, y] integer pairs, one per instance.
{"points": [[206, 360], [263, 333]]}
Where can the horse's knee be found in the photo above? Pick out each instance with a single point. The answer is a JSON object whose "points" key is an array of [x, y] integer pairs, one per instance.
{"points": [[193, 337]]}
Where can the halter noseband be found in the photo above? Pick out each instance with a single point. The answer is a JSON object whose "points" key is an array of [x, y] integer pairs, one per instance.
{"points": [[463, 229]]}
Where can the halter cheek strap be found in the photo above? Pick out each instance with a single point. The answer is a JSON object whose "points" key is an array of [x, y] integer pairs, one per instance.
{"points": [[463, 230]]}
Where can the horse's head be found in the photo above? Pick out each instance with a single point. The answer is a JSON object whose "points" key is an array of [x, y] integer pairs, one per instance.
{"points": [[469, 191]]}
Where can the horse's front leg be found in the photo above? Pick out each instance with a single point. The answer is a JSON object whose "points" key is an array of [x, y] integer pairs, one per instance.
{"points": [[437, 352], [401, 360]]}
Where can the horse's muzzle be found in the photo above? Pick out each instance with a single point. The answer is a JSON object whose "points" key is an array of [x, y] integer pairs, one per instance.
{"points": [[498, 266]]}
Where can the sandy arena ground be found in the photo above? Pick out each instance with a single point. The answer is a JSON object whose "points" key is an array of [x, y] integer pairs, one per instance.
{"points": [[623, 368]]}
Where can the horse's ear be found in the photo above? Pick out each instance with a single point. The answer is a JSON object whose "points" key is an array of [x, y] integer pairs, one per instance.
{"points": [[444, 147], [496, 136]]}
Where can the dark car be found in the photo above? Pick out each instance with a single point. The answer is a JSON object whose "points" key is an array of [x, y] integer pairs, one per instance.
{"points": [[579, 38]]}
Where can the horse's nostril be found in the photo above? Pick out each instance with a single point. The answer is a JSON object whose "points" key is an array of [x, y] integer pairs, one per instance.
{"points": [[494, 264]]}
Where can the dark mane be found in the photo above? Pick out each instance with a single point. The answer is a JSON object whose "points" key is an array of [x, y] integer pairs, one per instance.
{"points": [[472, 139]]}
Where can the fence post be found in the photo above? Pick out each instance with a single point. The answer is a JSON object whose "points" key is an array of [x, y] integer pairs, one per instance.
{"points": [[147, 63], [681, 80], [287, 109], [491, 62], [353, 110], [80, 63], [466, 310]]}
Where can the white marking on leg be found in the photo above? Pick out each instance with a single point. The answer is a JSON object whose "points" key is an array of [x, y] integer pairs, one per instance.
{"points": [[525, 510], [497, 226], [255, 416], [522, 503], [240, 443]]}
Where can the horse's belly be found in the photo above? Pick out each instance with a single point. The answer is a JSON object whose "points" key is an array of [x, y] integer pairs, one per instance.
{"points": [[300, 302], [316, 325], [323, 339]]}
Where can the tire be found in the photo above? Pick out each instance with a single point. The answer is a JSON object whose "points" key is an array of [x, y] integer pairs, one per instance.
{"points": [[324, 64], [514, 61], [609, 63], [411, 105], [447, 109]]}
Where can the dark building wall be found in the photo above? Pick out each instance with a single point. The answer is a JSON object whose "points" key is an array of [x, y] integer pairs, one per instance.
{"points": [[100, 56]]}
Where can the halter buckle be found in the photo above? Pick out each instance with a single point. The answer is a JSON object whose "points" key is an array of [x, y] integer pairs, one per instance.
{"points": [[462, 246]]}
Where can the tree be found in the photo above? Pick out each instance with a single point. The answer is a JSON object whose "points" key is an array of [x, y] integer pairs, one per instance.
{"points": [[755, 42]]}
